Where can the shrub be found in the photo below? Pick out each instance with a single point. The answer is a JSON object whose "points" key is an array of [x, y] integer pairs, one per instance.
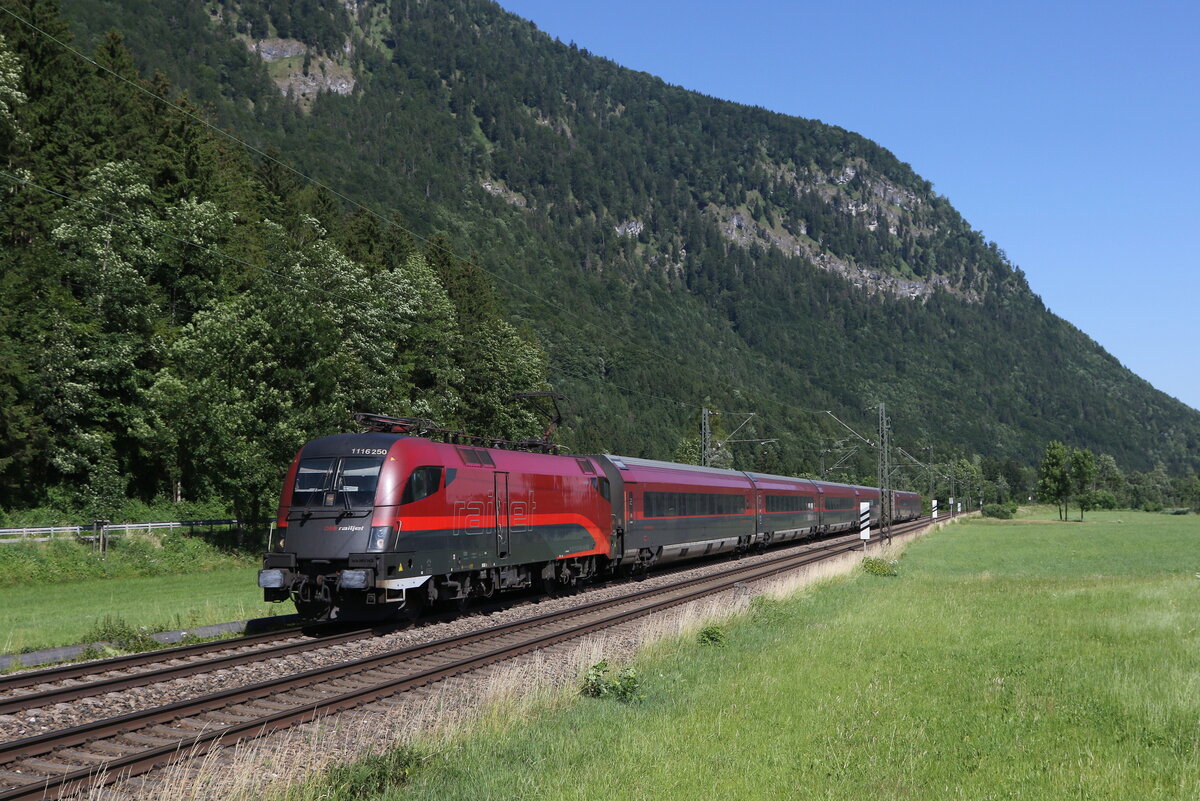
{"points": [[119, 634], [998, 510], [711, 635], [623, 687], [765, 609], [65, 559], [874, 566], [370, 776]]}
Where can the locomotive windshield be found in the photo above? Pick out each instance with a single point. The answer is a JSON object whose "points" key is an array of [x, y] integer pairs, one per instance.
{"points": [[347, 482]]}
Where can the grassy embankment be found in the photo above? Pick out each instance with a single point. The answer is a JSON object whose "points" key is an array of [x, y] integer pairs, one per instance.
{"points": [[1008, 659], [62, 593]]}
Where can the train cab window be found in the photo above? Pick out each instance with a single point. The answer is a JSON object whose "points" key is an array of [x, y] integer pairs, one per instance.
{"points": [[349, 481], [358, 479], [423, 482], [312, 478]]}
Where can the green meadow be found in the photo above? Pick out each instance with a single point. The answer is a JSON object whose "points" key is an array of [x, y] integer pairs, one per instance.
{"points": [[63, 593], [1023, 659]]}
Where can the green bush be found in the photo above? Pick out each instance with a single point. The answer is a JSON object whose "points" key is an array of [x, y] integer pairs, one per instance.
{"points": [[63, 560], [121, 635], [623, 687], [1000, 511], [369, 777], [711, 635], [60, 512], [874, 566]]}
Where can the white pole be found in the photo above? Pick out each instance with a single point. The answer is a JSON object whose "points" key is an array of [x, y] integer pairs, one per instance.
{"points": [[935, 508]]}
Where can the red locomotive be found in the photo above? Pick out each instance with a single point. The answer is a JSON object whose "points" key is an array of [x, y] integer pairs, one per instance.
{"points": [[381, 524]]}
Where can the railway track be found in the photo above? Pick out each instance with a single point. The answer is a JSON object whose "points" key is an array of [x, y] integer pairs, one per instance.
{"points": [[59, 762], [74, 681]]}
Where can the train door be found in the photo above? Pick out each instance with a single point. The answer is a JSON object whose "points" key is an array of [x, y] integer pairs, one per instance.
{"points": [[629, 509], [636, 541], [502, 517]]}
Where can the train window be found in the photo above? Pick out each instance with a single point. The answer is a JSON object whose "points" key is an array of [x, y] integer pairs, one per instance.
{"points": [[789, 503], [312, 478], [691, 504], [601, 486], [357, 480], [349, 482], [585, 466], [451, 473], [423, 482], [469, 456]]}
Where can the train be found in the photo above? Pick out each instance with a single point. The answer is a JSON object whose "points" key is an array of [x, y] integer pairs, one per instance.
{"points": [[383, 524]]}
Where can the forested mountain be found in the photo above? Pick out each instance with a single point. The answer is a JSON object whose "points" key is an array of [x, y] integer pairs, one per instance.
{"points": [[531, 215]]}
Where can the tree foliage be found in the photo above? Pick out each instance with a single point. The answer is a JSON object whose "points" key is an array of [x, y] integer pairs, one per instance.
{"points": [[181, 319], [1054, 476]]}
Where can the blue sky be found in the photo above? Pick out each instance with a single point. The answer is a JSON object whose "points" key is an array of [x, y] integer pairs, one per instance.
{"points": [[1067, 132]]}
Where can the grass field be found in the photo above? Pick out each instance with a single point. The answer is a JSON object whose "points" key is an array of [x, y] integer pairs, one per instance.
{"points": [[1025, 659], [46, 615]]}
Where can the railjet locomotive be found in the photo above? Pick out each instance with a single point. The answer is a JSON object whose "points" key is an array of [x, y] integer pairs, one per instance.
{"points": [[381, 524]]}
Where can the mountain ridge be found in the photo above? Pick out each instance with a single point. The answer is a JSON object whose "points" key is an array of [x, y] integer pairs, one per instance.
{"points": [[750, 260]]}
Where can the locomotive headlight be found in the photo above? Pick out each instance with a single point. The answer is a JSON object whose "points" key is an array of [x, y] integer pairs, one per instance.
{"points": [[355, 579], [271, 579], [381, 536]]}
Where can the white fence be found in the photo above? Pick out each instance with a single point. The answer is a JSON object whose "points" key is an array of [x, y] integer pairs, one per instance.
{"points": [[47, 533]]}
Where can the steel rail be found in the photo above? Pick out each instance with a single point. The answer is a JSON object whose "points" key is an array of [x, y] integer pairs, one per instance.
{"points": [[58, 695], [167, 746]]}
